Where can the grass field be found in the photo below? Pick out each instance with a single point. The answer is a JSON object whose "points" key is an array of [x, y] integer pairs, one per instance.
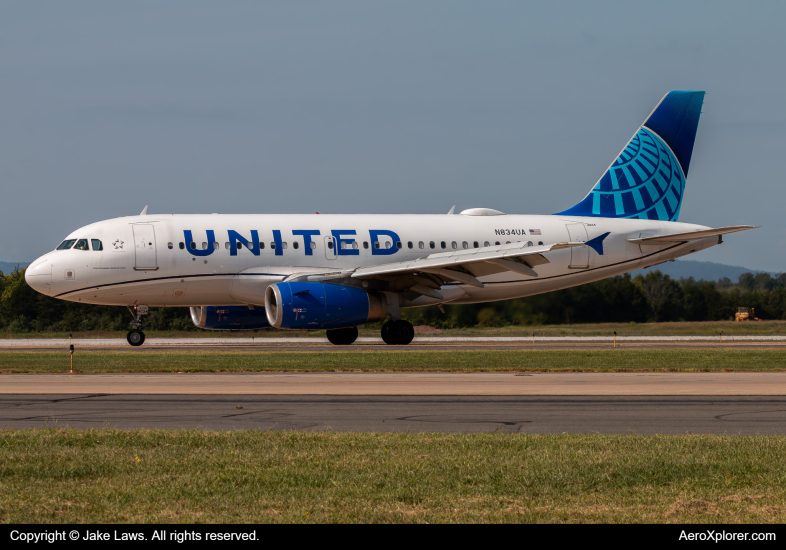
{"points": [[106, 476], [601, 360], [709, 328]]}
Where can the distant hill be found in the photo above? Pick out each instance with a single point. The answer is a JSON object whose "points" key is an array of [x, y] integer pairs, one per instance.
{"points": [[708, 271], [8, 267]]}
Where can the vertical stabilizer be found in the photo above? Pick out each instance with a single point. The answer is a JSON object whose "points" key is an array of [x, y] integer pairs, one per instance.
{"points": [[647, 180]]}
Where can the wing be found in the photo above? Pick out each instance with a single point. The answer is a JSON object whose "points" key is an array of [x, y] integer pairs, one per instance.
{"points": [[690, 236], [425, 275]]}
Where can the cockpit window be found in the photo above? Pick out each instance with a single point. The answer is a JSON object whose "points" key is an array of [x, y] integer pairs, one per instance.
{"points": [[81, 244], [97, 244], [65, 245]]}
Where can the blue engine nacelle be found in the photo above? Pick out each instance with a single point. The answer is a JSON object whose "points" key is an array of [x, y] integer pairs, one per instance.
{"points": [[229, 317], [321, 305]]}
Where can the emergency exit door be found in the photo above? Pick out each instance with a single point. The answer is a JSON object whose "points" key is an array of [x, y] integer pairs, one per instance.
{"points": [[145, 247], [330, 248], [579, 255]]}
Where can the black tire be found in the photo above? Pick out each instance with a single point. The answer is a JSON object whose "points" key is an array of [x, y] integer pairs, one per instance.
{"points": [[403, 332], [135, 337], [387, 333], [398, 333], [342, 336]]}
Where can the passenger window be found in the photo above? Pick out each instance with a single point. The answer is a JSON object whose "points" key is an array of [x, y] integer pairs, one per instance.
{"points": [[409, 244], [81, 244], [354, 245], [215, 245], [486, 243], [442, 243], [343, 245], [226, 245], [330, 245], [204, 246], [365, 244], [272, 246], [65, 245], [170, 246], [376, 244], [475, 244], [454, 245], [540, 243], [431, 244], [261, 246], [295, 245], [464, 245], [98, 246], [529, 243], [421, 245], [238, 245], [387, 244], [496, 243], [507, 242], [313, 245], [284, 245], [182, 246], [193, 246]]}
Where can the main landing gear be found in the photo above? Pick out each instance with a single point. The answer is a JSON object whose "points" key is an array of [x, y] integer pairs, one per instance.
{"points": [[398, 333], [342, 336], [135, 336]]}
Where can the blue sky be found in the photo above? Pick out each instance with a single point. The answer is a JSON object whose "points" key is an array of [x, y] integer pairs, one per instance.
{"points": [[384, 107]]}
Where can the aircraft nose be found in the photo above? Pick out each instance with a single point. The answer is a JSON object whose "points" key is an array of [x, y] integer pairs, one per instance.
{"points": [[39, 275]]}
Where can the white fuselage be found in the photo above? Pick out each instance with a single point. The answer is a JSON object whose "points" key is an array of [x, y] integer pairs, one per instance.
{"points": [[144, 262]]}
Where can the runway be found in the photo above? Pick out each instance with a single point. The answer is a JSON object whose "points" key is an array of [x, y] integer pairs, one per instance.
{"points": [[432, 342], [445, 414]]}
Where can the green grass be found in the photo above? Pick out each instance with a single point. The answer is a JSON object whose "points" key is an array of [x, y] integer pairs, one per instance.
{"points": [[599, 360], [105, 476]]}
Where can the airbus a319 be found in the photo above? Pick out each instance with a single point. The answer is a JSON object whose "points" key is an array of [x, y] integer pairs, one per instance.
{"points": [[337, 272]]}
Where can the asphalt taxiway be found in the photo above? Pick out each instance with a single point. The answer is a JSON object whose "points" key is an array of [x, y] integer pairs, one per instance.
{"points": [[446, 414], [646, 403]]}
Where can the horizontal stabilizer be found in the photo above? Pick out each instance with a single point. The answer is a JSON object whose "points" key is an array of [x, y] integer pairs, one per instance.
{"points": [[690, 236]]}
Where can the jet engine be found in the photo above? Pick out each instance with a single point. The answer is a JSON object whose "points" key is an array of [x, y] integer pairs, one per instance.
{"points": [[228, 317], [322, 306]]}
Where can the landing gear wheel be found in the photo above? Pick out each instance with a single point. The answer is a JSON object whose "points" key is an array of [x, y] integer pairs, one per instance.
{"points": [[342, 336], [398, 333], [135, 337]]}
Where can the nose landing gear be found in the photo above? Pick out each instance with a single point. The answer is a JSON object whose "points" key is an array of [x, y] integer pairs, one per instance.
{"points": [[135, 336], [398, 333]]}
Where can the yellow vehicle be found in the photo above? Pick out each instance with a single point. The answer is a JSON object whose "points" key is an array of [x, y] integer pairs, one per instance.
{"points": [[745, 314]]}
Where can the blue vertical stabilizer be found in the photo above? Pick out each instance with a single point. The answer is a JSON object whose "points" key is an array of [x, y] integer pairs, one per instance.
{"points": [[647, 180]]}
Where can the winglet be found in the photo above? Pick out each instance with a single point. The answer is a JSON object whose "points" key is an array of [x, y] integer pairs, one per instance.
{"points": [[452, 208], [597, 243], [144, 211]]}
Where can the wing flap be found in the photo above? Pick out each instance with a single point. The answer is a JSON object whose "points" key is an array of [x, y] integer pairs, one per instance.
{"points": [[531, 255]]}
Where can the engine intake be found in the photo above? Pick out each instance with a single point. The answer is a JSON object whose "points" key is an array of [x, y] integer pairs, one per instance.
{"points": [[228, 317], [321, 305]]}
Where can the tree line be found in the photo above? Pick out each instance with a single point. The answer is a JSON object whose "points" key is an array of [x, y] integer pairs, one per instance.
{"points": [[644, 298]]}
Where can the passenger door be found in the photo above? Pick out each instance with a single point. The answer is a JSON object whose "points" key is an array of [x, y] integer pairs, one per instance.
{"points": [[145, 247], [579, 255]]}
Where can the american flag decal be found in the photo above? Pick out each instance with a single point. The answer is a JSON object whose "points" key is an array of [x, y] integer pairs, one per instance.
{"points": [[534, 232]]}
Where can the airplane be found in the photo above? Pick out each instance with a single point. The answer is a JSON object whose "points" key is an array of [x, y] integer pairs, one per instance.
{"points": [[336, 272]]}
